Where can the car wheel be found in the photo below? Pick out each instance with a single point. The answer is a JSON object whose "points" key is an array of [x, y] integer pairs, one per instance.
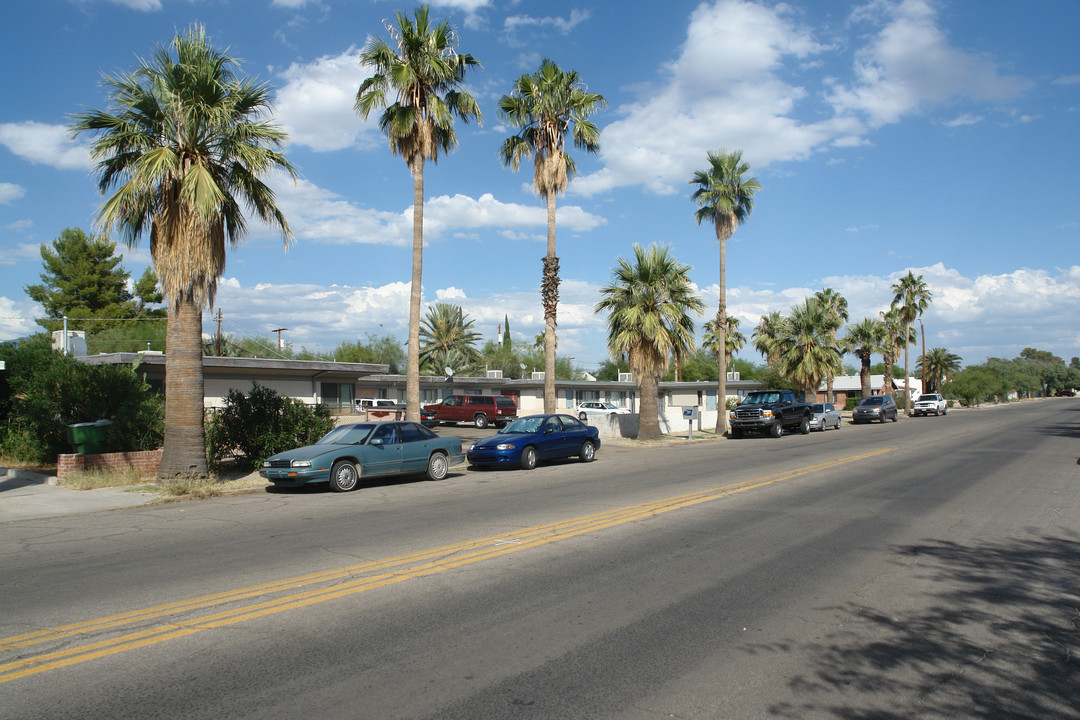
{"points": [[343, 476], [588, 451], [837, 423], [945, 411], [437, 465], [776, 429], [583, 416], [896, 416], [804, 426], [480, 421], [528, 458], [736, 434]]}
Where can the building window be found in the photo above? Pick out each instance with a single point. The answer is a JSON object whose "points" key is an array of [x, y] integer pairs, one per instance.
{"points": [[339, 397]]}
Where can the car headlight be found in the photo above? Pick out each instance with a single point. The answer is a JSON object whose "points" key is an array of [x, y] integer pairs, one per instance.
{"points": [[472, 447], [504, 446], [266, 463], [766, 413], [731, 414], [300, 463]]}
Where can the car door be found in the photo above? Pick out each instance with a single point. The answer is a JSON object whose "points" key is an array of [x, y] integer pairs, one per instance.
{"points": [[383, 453], [574, 434], [415, 448], [552, 439]]}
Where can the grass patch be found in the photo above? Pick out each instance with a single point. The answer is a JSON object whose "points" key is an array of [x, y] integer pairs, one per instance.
{"points": [[95, 479]]}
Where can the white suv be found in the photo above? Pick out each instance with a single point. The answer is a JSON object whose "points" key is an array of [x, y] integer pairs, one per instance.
{"points": [[601, 408], [930, 403]]}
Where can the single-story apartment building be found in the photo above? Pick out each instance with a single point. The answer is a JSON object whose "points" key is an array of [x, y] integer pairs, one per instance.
{"points": [[341, 385], [850, 386]]}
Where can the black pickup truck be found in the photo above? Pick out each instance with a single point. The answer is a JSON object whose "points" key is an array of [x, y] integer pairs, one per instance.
{"points": [[772, 412]]}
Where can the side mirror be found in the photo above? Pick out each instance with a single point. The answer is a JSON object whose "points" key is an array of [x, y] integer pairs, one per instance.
{"points": [[376, 441]]}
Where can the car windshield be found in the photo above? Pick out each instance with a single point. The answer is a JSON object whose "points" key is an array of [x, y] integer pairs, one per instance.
{"points": [[608, 406], [524, 425], [927, 397], [762, 398], [346, 435], [819, 408], [871, 401]]}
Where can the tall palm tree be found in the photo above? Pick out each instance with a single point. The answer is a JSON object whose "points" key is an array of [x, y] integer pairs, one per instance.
{"points": [[939, 364], [896, 336], [426, 72], [649, 304], [810, 353], [546, 105], [448, 333], [911, 297], [185, 142], [726, 198], [836, 310], [766, 337], [865, 338]]}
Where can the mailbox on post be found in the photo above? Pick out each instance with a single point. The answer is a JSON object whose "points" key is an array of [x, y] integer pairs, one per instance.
{"points": [[690, 413]]}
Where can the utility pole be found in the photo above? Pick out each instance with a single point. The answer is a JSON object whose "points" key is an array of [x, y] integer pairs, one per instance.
{"points": [[219, 332], [279, 331], [922, 332]]}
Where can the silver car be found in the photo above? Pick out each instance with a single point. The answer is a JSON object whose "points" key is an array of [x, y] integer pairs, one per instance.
{"points": [[824, 415]]}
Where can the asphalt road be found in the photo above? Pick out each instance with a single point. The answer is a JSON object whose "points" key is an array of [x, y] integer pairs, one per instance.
{"points": [[928, 568]]}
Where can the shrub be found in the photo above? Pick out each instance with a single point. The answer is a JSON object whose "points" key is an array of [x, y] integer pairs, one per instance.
{"points": [[851, 402], [252, 427], [43, 392]]}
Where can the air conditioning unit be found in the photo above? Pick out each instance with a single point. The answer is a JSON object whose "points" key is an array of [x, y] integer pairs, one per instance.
{"points": [[537, 375], [733, 376], [494, 373], [626, 377]]}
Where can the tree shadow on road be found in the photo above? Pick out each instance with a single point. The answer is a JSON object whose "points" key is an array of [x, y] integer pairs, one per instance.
{"points": [[996, 634]]}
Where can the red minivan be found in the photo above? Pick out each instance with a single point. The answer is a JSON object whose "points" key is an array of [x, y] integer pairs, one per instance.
{"points": [[480, 410]]}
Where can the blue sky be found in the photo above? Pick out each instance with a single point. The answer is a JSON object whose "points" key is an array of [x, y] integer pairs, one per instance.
{"points": [[933, 135]]}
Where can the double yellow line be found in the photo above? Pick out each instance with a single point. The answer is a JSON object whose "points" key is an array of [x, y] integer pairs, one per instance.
{"points": [[106, 636]]}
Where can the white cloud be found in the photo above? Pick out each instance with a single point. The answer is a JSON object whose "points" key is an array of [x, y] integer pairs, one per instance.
{"points": [[21, 253], [144, 5], [563, 26], [44, 144], [322, 216], [911, 64], [10, 192], [315, 105], [965, 119], [17, 318], [742, 78]]}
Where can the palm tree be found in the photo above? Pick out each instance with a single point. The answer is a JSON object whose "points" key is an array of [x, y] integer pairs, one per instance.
{"points": [[726, 198], [766, 337], [426, 73], [446, 332], [835, 306], [865, 338], [810, 353], [547, 105], [910, 296], [896, 336], [734, 339], [186, 142], [648, 305], [939, 363]]}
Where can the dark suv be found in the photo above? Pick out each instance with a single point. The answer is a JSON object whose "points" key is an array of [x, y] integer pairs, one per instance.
{"points": [[878, 407], [480, 410]]}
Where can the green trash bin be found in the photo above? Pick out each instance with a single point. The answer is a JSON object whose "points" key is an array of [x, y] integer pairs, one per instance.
{"points": [[88, 438]]}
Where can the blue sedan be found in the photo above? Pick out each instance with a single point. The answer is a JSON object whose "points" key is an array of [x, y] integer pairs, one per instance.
{"points": [[370, 449], [532, 438]]}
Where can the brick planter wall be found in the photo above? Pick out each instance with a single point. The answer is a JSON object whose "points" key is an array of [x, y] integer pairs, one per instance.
{"points": [[145, 461]]}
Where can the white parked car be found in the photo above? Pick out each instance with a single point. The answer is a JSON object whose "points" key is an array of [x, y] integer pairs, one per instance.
{"points": [[599, 408], [825, 415], [930, 403]]}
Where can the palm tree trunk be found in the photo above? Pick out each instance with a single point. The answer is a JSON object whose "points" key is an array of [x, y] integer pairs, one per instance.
{"points": [[412, 362], [864, 376], [907, 386], [649, 415], [550, 293], [721, 339], [184, 456]]}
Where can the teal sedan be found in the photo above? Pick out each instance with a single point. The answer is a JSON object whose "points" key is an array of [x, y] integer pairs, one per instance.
{"points": [[362, 450]]}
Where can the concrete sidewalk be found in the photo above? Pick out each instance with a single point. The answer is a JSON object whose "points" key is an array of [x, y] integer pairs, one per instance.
{"points": [[25, 494]]}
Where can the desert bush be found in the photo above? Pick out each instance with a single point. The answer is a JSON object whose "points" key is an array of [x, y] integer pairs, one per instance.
{"points": [[43, 392], [251, 427]]}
